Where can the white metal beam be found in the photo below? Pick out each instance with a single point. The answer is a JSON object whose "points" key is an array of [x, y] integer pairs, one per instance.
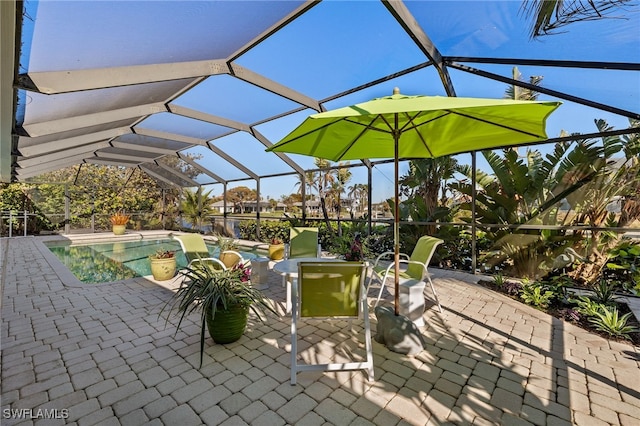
{"points": [[204, 170], [277, 88], [159, 176], [51, 166], [208, 118], [7, 69], [233, 161], [111, 162], [28, 146], [129, 154], [71, 123], [59, 155], [89, 79], [171, 137], [177, 173], [282, 156]]}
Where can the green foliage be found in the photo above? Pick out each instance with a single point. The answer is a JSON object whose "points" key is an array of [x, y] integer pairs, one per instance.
{"points": [[536, 295], [587, 306], [95, 191], [609, 321], [604, 292], [196, 207], [269, 230], [352, 246], [623, 266], [498, 281], [558, 284], [529, 189], [17, 198], [226, 243]]}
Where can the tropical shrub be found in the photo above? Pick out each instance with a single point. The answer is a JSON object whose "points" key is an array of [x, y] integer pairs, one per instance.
{"points": [[623, 266], [536, 295], [603, 292], [609, 321], [269, 230], [587, 306], [558, 285]]}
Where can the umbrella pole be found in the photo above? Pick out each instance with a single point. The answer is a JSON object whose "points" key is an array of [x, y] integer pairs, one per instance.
{"points": [[396, 223]]}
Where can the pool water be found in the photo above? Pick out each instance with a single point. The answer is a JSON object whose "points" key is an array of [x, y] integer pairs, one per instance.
{"points": [[119, 260]]}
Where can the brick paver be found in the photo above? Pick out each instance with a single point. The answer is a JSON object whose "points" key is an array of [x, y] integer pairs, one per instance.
{"points": [[102, 355]]}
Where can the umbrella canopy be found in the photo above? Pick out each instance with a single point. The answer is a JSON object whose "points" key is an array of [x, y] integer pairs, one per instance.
{"points": [[403, 127]]}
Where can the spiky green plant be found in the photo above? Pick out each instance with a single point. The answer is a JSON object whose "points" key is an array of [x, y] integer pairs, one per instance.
{"points": [[498, 281], [208, 290], [603, 292], [587, 306], [609, 321]]}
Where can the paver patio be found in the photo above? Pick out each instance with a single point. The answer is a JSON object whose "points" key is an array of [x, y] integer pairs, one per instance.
{"points": [[100, 354]]}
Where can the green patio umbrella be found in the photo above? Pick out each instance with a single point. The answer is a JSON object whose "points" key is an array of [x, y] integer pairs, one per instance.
{"points": [[404, 127]]}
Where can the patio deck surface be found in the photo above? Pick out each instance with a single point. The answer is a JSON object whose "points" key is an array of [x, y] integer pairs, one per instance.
{"points": [[100, 354]]}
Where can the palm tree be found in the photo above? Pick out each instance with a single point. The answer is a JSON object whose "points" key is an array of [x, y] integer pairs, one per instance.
{"points": [[518, 93], [425, 185], [358, 192], [310, 181], [549, 15], [325, 179], [343, 176], [196, 207]]}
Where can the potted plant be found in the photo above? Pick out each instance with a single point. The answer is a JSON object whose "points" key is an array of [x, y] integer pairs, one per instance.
{"points": [[119, 223], [356, 251], [276, 249], [223, 299], [163, 264], [226, 244]]}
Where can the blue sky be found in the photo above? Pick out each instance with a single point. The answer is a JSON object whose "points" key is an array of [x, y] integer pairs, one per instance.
{"points": [[333, 47], [457, 28]]}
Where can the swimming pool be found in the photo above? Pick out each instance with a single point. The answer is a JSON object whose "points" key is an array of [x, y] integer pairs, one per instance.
{"points": [[119, 260]]}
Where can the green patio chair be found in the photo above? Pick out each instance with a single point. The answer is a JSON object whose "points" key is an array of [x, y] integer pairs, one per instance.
{"points": [[196, 252], [413, 276], [330, 291], [303, 242]]}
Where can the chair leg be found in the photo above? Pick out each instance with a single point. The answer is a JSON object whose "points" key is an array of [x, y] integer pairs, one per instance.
{"points": [[294, 343], [367, 340], [379, 294], [435, 295], [370, 285]]}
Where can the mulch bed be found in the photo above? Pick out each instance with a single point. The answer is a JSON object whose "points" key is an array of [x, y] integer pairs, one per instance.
{"points": [[560, 312]]}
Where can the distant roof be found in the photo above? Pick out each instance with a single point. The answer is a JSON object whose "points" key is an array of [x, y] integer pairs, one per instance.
{"points": [[160, 86]]}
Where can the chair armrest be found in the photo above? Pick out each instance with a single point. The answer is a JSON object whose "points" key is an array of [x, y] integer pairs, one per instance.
{"points": [[388, 253], [404, 262], [208, 259]]}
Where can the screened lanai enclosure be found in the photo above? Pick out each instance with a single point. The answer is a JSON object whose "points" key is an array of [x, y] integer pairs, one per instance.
{"points": [[190, 94]]}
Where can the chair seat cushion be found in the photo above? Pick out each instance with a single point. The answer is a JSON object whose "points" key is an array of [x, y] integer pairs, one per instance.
{"points": [[405, 279]]}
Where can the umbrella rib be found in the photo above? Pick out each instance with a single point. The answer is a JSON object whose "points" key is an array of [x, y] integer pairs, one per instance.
{"points": [[497, 125], [309, 132], [365, 128], [415, 127]]}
